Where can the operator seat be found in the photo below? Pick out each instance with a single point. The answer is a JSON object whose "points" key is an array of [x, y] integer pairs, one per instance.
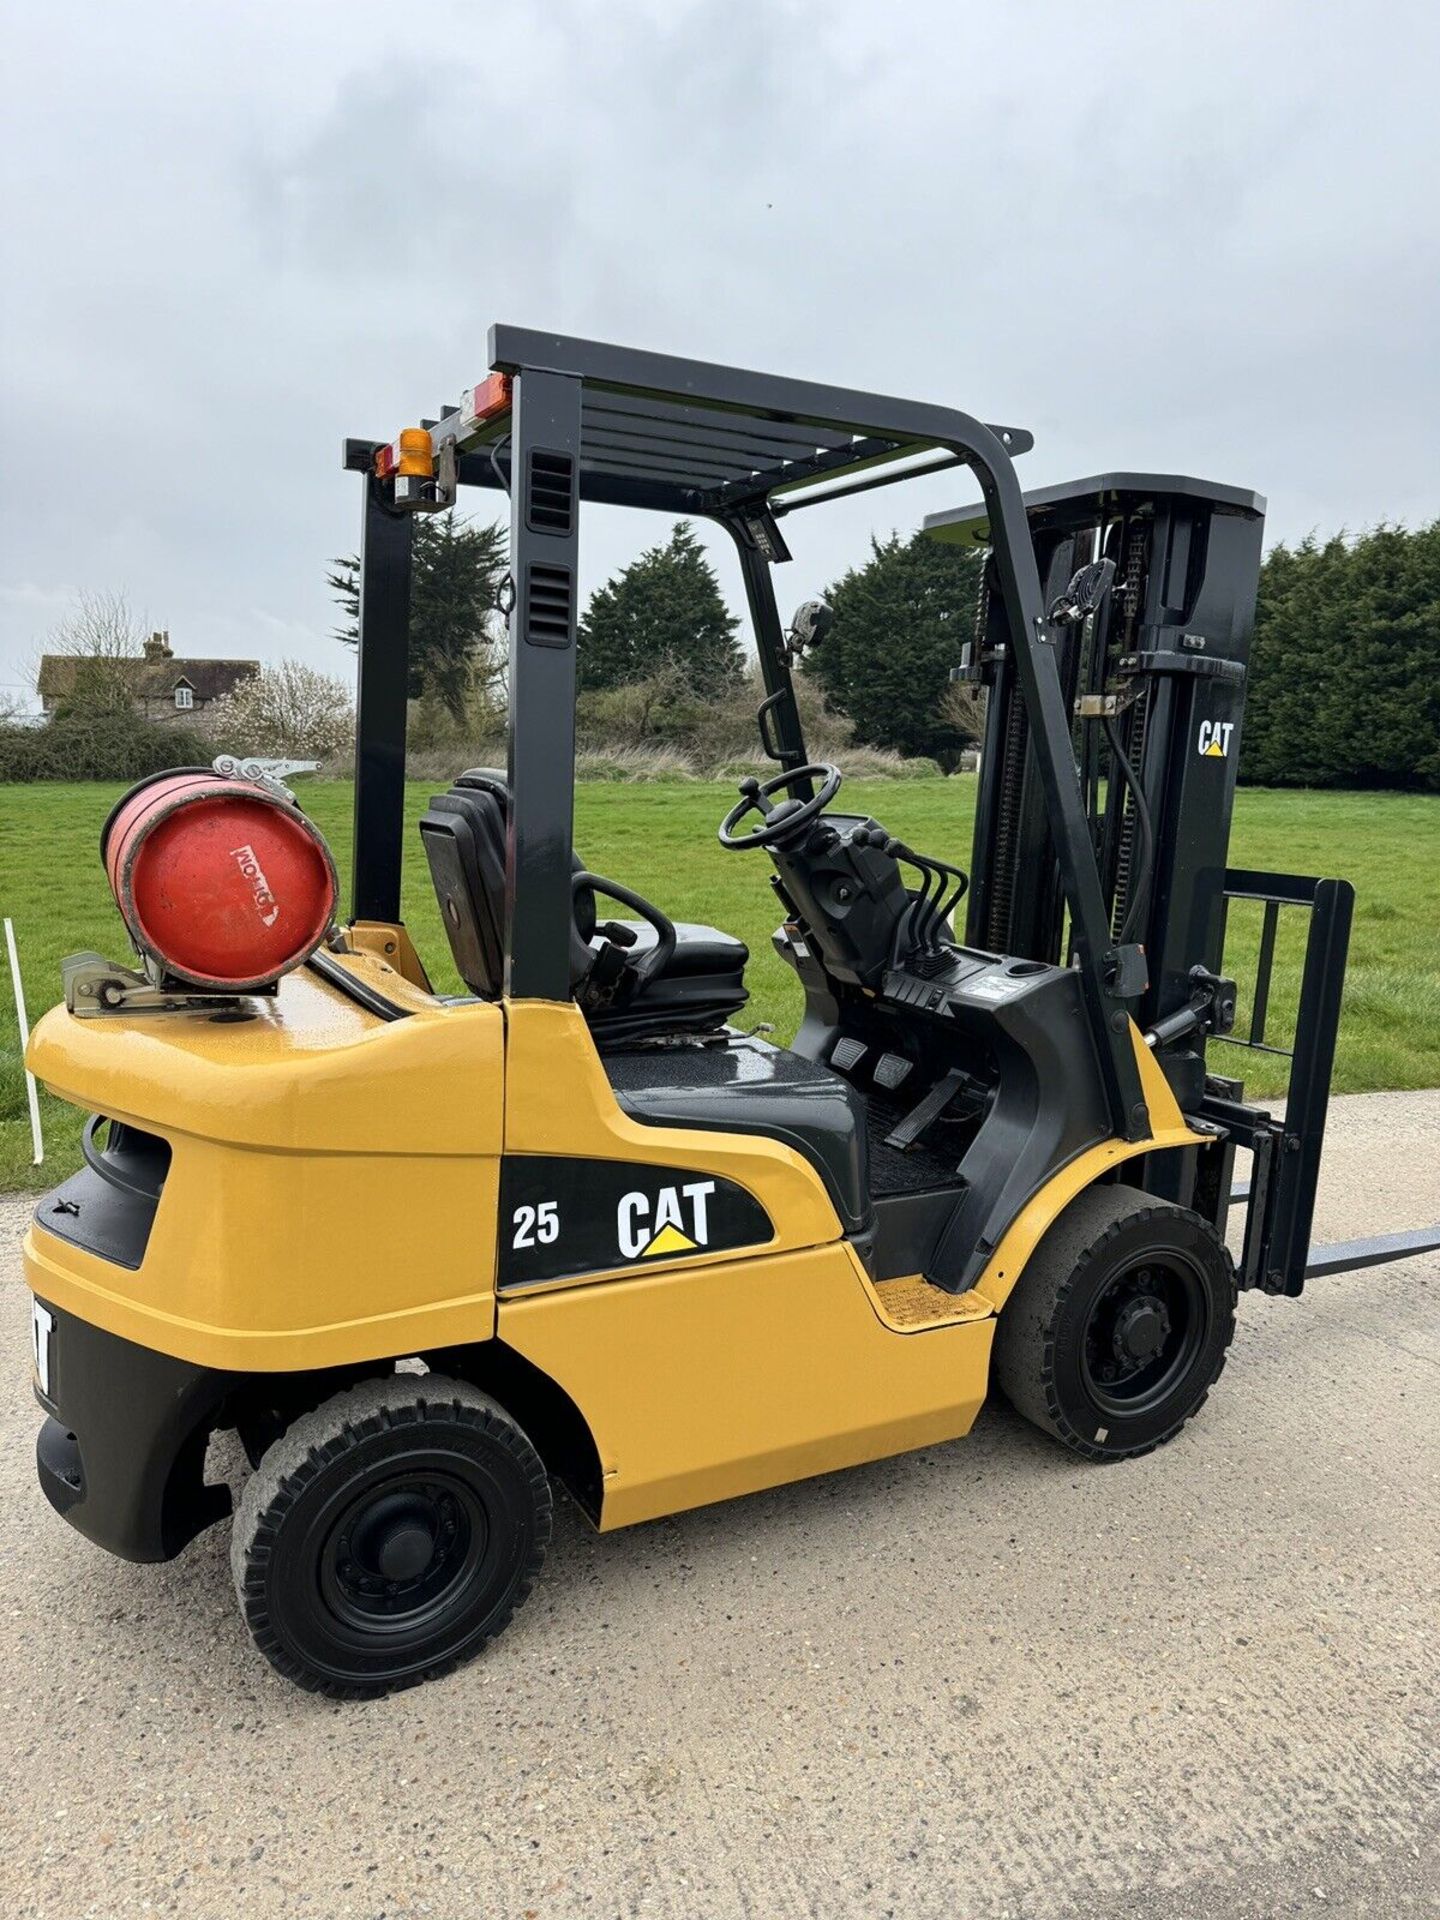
{"points": [[698, 990]]}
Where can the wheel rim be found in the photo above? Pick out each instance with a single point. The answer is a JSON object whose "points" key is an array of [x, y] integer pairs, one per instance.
{"points": [[1144, 1330], [398, 1556]]}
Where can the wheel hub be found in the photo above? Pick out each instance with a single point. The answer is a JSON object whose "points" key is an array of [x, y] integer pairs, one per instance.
{"points": [[401, 1551], [405, 1550], [1141, 1329]]}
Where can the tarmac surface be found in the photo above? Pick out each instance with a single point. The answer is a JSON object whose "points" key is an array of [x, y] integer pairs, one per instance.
{"points": [[983, 1680]]}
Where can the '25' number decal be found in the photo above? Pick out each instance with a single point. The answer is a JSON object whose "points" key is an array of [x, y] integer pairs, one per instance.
{"points": [[537, 1224]]}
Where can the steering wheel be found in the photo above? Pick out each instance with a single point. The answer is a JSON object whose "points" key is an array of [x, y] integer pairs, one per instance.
{"points": [[778, 822]]}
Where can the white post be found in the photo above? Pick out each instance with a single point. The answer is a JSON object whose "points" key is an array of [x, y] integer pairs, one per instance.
{"points": [[30, 1091]]}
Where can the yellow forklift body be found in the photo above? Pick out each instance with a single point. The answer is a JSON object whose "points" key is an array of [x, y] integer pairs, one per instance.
{"points": [[333, 1189], [643, 1251], [719, 1377], [334, 1197], [333, 1181], [721, 1380]]}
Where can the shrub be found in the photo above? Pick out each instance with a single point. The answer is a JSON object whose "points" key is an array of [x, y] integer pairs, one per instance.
{"points": [[633, 763], [98, 746], [664, 709], [656, 728], [856, 763]]}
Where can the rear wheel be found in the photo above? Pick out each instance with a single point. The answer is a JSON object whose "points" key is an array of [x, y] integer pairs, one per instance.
{"points": [[389, 1534], [1119, 1325]]}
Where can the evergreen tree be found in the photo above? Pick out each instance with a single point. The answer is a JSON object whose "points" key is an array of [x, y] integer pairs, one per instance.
{"points": [[900, 623], [455, 645], [665, 610], [1345, 664]]}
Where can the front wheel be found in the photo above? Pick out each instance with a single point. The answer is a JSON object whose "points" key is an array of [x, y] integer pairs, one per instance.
{"points": [[389, 1534], [1118, 1327]]}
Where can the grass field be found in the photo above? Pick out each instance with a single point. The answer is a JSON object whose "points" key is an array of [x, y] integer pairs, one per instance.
{"points": [[661, 839]]}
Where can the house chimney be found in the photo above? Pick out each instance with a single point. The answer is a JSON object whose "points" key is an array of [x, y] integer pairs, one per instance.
{"points": [[157, 647]]}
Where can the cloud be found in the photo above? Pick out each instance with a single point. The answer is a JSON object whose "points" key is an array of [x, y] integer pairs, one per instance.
{"points": [[1187, 237]]}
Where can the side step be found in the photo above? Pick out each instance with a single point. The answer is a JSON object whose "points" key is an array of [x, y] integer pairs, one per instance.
{"points": [[911, 1303]]}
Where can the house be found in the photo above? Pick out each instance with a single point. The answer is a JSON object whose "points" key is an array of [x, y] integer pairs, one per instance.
{"points": [[162, 686]]}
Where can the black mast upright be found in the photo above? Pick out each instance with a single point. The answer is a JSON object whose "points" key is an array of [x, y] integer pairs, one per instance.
{"points": [[386, 550]]}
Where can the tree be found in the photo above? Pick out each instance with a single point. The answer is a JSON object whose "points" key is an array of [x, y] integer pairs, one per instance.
{"points": [[285, 711], [1345, 663], [105, 641], [900, 622], [664, 611], [455, 645], [962, 708]]}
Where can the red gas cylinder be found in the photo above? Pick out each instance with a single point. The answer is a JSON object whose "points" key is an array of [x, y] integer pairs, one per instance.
{"points": [[225, 883]]}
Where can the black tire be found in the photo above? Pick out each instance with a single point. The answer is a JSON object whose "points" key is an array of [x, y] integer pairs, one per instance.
{"points": [[389, 1535], [1119, 1325]]}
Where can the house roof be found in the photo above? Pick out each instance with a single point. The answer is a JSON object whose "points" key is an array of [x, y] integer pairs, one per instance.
{"points": [[152, 679]]}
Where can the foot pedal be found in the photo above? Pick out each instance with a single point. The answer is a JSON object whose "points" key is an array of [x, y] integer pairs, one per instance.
{"points": [[925, 1111], [846, 1054], [890, 1070]]}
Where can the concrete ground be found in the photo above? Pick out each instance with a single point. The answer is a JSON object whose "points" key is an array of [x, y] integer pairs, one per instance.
{"points": [[983, 1680]]}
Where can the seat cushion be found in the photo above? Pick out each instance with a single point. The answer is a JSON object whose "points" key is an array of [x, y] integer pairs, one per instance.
{"points": [[697, 949], [701, 988]]}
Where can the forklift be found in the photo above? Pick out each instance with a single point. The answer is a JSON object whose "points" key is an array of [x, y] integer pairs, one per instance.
{"points": [[426, 1253]]}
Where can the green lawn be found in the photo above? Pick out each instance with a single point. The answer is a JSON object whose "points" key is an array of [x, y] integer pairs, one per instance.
{"points": [[661, 839]]}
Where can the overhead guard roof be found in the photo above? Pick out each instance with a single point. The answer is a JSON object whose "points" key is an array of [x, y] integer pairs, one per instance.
{"points": [[720, 435], [691, 437]]}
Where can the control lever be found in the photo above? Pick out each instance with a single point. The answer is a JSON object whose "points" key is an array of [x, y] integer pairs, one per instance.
{"points": [[943, 910], [897, 850], [931, 909], [924, 907]]}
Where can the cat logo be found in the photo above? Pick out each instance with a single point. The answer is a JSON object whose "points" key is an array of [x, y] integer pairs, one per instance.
{"points": [[1213, 739], [671, 1221]]}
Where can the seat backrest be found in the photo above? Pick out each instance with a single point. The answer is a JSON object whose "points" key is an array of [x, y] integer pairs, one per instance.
{"points": [[464, 841], [463, 833]]}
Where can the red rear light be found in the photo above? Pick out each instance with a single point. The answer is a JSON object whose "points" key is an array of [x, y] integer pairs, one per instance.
{"points": [[490, 398]]}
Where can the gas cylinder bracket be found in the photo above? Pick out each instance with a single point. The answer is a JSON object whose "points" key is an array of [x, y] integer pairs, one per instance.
{"points": [[94, 985], [269, 774]]}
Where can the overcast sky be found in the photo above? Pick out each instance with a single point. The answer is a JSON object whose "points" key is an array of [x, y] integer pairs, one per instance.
{"points": [[1202, 238]]}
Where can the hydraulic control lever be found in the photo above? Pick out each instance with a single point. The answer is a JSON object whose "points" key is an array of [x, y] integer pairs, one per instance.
{"points": [[932, 907], [931, 933]]}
